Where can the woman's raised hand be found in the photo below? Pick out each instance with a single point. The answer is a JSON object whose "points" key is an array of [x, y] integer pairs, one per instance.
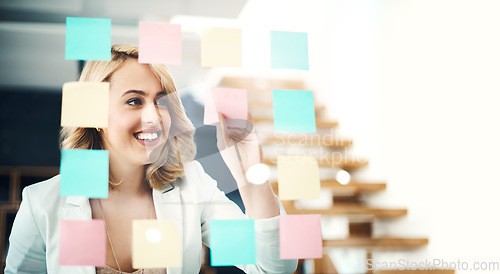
{"points": [[239, 147], [241, 135]]}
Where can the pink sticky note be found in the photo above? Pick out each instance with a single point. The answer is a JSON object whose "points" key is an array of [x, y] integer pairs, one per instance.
{"points": [[82, 243], [231, 102], [160, 43], [300, 236]]}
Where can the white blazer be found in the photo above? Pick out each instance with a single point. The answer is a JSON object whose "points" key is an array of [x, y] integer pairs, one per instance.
{"points": [[190, 201]]}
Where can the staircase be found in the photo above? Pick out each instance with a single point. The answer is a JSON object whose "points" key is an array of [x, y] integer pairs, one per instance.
{"points": [[348, 199]]}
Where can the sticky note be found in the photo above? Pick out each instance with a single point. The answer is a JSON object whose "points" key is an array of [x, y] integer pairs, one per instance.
{"points": [[85, 104], [88, 38], [294, 111], [155, 244], [160, 43], [300, 236], [298, 177], [221, 47], [231, 102], [84, 172], [289, 50], [232, 242], [82, 243]]}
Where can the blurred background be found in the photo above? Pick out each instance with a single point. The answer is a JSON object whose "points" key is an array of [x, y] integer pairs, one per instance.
{"points": [[406, 93]]}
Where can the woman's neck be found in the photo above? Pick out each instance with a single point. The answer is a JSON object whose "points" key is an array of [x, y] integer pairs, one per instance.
{"points": [[131, 177]]}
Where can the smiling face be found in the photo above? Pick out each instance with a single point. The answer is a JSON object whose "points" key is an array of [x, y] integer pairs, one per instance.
{"points": [[139, 121]]}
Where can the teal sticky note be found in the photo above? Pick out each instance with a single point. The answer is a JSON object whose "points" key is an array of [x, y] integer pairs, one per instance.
{"points": [[232, 242], [88, 38], [289, 50], [84, 172], [293, 111]]}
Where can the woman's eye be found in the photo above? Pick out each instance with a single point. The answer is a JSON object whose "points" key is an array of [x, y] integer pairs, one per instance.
{"points": [[134, 102]]}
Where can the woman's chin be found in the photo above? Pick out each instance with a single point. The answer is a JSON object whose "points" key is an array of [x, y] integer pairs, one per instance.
{"points": [[154, 154]]}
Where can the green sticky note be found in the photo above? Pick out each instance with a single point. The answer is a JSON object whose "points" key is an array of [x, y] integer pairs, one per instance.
{"points": [[293, 111], [84, 172], [88, 38], [289, 50], [232, 242]]}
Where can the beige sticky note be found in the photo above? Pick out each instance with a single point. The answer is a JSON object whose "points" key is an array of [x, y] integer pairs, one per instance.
{"points": [[221, 47], [85, 104], [155, 244], [298, 177]]}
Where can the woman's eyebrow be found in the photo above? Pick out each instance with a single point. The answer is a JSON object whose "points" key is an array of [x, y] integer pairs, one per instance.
{"points": [[161, 93], [140, 92]]}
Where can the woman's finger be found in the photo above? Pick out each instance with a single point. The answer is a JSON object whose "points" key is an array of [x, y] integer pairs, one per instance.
{"points": [[223, 128]]}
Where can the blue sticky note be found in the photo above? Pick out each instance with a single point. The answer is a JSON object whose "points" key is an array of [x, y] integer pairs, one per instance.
{"points": [[84, 172], [232, 242], [289, 50], [293, 111], [88, 38]]}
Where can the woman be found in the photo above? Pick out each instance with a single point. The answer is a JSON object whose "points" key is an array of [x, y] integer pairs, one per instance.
{"points": [[152, 176]]}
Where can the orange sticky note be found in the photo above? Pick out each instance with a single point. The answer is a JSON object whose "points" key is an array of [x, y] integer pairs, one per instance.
{"points": [[155, 244], [85, 104], [82, 242], [221, 47], [298, 177], [231, 102], [300, 236], [160, 43]]}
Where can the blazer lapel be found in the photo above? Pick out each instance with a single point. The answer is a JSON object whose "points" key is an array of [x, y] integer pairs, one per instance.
{"points": [[76, 208], [168, 205]]}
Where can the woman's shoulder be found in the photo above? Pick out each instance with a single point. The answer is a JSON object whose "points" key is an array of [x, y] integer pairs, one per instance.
{"points": [[192, 167], [44, 190], [45, 186]]}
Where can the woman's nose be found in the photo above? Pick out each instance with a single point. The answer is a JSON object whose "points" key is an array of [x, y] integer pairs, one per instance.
{"points": [[150, 115]]}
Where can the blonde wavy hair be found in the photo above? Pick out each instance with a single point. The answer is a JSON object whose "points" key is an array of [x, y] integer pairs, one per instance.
{"points": [[178, 148]]}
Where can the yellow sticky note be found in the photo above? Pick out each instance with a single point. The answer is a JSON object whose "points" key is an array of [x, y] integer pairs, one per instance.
{"points": [[85, 104], [155, 244], [221, 47], [298, 177]]}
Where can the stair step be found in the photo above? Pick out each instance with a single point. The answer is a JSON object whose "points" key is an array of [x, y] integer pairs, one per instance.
{"points": [[320, 123], [339, 189], [347, 199], [347, 164], [324, 141], [377, 243], [342, 209], [261, 84], [353, 187]]}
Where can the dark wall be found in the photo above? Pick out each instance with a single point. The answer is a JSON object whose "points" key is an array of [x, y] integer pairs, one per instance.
{"points": [[29, 127]]}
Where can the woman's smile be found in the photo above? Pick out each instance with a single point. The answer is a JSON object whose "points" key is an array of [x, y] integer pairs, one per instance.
{"points": [[148, 137]]}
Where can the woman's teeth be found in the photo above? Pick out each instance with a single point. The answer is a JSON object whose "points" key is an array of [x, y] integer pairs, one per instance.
{"points": [[147, 136]]}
